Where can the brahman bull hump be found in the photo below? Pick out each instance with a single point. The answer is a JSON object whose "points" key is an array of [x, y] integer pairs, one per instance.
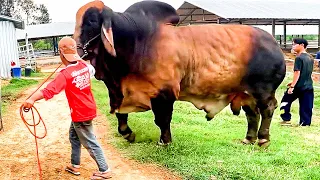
{"points": [[159, 11]]}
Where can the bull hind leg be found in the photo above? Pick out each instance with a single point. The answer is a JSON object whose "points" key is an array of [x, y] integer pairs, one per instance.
{"points": [[266, 103], [253, 118], [162, 107], [123, 127], [266, 106]]}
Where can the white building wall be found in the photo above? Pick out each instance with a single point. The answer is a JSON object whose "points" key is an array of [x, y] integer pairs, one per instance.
{"points": [[8, 48]]}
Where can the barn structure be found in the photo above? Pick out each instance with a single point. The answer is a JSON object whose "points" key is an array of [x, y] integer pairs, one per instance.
{"points": [[8, 44], [268, 15], [53, 31]]}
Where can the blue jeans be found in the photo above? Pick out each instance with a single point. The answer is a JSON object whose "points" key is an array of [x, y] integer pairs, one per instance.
{"points": [[81, 133]]}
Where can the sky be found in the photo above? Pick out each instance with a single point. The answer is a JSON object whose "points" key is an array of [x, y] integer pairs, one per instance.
{"points": [[65, 10]]}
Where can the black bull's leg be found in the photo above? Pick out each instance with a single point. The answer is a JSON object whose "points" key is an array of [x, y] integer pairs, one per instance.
{"points": [[266, 109], [162, 107], [253, 118], [123, 127]]}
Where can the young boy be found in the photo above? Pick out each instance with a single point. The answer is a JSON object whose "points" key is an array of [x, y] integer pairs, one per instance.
{"points": [[301, 87], [75, 80]]}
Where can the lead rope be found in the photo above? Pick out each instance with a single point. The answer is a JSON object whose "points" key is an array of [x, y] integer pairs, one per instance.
{"points": [[34, 133]]}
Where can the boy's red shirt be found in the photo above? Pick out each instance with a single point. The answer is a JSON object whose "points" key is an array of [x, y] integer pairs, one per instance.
{"points": [[75, 80]]}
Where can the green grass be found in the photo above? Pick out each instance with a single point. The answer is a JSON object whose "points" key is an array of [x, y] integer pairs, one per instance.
{"points": [[35, 74], [202, 149], [12, 91]]}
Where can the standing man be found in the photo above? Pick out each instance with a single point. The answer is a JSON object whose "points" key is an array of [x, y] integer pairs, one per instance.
{"points": [[301, 87], [74, 79]]}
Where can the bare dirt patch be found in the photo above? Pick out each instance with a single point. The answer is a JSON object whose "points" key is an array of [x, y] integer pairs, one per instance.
{"points": [[4, 82], [18, 155]]}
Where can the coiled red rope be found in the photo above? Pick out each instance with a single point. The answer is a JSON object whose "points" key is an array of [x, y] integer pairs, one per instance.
{"points": [[35, 124]]}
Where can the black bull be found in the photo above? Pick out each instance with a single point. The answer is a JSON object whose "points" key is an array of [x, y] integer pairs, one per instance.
{"points": [[147, 64]]}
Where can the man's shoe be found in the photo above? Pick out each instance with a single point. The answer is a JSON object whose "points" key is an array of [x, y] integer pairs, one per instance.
{"points": [[285, 123]]}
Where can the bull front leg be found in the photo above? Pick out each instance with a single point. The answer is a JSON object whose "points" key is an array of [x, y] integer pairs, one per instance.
{"points": [[123, 127], [162, 107]]}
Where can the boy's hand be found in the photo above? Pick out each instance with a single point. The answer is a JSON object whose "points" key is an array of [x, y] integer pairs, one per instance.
{"points": [[27, 105]]}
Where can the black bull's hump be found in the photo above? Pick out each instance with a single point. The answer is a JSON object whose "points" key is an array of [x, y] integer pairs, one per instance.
{"points": [[159, 11]]}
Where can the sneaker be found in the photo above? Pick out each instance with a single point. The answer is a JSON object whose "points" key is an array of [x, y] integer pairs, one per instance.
{"points": [[304, 125], [73, 169], [101, 175], [285, 123]]}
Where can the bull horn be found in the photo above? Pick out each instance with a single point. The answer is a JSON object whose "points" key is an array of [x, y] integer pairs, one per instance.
{"points": [[107, 39]]}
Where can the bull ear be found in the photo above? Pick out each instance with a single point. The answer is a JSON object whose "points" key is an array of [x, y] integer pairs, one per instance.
{"points": [[106, 31], [107, 39]]}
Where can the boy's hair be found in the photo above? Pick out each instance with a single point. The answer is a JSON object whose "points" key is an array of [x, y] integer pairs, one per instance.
{"points": [[301, 41]]}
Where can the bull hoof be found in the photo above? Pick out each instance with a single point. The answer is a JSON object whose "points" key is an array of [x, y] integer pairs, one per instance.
{"points": [[130, 137], [236, 113], [264, 143], [248, 142], [161, 143], [209, 118]]}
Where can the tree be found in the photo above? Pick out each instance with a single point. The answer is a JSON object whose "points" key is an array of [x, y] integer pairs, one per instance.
{"points": [[27, 8], [7, 7], [29, 11], [42, 15]]}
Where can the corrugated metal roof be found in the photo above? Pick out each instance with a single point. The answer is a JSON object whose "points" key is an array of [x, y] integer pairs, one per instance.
{"points": [[17, 23], [46, 30], [261, 9]]}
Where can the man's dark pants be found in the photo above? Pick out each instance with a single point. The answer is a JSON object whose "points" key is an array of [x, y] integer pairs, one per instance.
{"points": [[306, 98]]}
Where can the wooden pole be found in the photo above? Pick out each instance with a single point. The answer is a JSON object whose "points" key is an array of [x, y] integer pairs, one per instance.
{"points": [[285, 34], [274, 28]]}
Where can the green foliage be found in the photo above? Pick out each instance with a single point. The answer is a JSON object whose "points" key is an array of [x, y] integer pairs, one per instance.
{"points": [[42, 44], [202, 150], [290, 37]]}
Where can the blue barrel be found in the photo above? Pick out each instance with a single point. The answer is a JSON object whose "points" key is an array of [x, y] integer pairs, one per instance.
{"points": [[16, 72]]}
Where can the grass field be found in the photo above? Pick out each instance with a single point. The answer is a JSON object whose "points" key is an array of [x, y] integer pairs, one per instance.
{"points": [[11, 91], [209, 150]]}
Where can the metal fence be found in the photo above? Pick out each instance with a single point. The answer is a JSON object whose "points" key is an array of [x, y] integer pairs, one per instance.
{"points": [[314, 73]]}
